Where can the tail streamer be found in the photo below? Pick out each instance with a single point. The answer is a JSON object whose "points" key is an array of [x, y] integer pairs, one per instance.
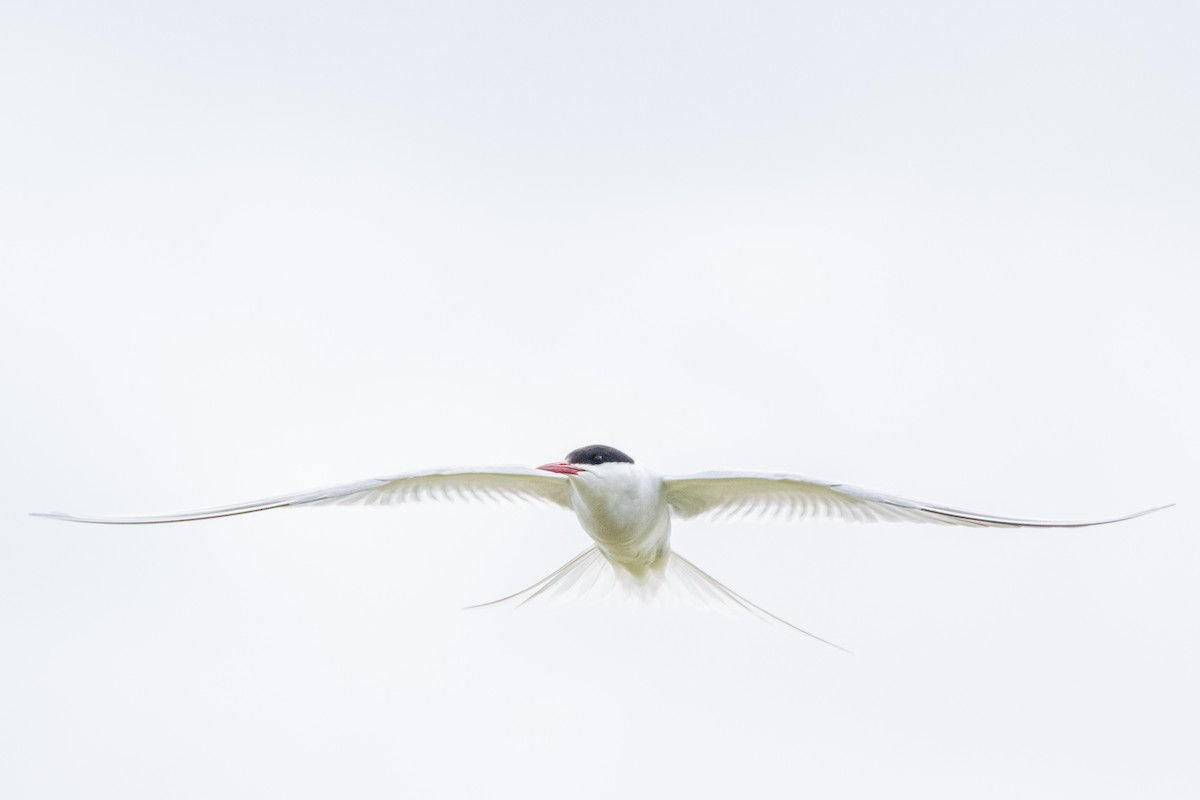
{"points": [[590, 577]]}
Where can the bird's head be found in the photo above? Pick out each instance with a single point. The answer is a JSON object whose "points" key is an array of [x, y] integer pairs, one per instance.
{"points": [[587, 459]]}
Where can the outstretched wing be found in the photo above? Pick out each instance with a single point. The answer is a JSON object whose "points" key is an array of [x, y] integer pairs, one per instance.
{"points": [[791, 496], [463, 483]]}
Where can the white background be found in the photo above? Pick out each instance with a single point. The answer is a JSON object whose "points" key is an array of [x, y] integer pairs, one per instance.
{"points": [[941, 250]]}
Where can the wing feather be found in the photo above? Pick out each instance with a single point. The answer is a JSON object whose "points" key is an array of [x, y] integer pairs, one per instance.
{"points": [[465, 483], [725, 494]]}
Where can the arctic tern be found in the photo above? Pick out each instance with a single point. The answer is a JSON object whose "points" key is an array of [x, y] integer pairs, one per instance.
{"points": [[627, 511]]}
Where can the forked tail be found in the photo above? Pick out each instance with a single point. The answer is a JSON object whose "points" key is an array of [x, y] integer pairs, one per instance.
{"points": [[590, 577]]}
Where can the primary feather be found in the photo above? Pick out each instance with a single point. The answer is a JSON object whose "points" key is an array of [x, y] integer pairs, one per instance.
{"points": [[513, 483], [728, 493]]}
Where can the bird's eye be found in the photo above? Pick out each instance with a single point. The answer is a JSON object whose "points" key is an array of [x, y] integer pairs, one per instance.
{"points": [[598, 458]]}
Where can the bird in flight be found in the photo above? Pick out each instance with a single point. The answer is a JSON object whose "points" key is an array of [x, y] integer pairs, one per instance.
{"points": [[627, 511]]}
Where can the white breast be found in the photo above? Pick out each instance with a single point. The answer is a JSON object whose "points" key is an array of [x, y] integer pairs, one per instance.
{"points": [[621, 506]]}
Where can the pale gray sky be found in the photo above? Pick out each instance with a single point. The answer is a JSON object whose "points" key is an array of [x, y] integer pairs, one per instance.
{"points": [[940, 250]]}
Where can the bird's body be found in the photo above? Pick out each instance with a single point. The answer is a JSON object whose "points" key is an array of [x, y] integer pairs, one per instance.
{"points": [[627, 511]]}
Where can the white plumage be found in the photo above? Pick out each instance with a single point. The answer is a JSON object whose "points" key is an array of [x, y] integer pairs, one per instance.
{"points": [[627, 510]]}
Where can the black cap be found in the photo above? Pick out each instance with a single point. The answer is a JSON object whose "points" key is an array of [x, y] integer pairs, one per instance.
{"points": [[597, 454]]}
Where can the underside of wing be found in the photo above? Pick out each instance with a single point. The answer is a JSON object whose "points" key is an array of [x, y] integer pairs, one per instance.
{"points": [[463, 483], [723, 494]]}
